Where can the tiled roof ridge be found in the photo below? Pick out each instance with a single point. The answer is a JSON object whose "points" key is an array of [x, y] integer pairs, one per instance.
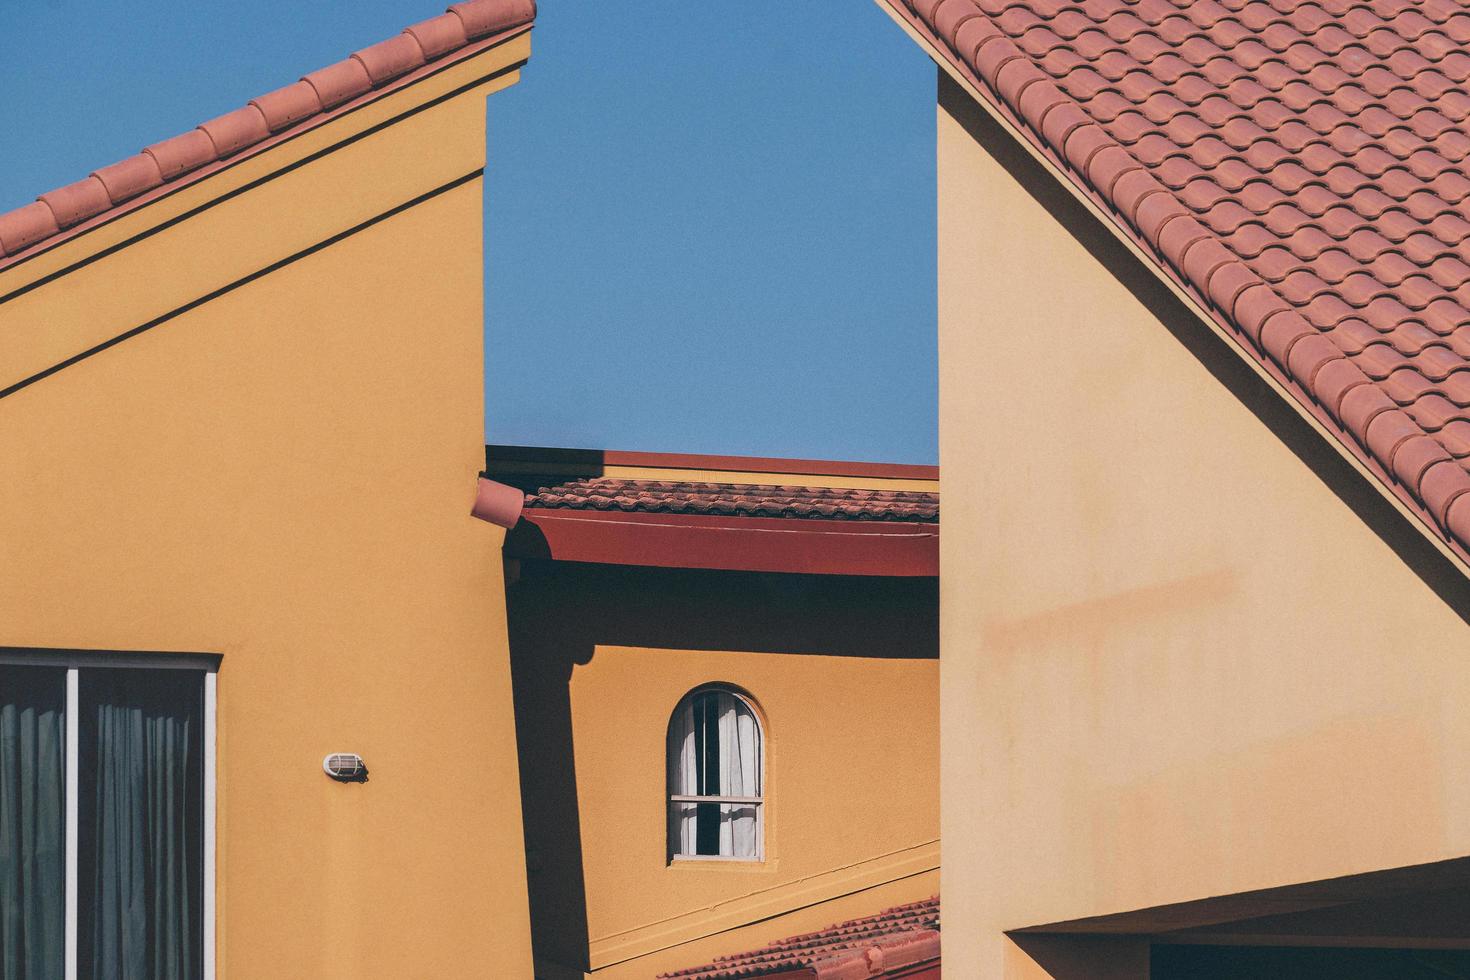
{"points": [[262, 117], [752, 489], [1243, 300], [736, 499], [852, 950]]}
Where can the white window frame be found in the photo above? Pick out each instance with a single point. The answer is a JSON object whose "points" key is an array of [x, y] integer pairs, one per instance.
{"points": [[75, 662], [759, 802]]}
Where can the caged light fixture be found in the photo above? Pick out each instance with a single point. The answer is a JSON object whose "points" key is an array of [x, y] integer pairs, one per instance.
{"points": [[345, 767]]}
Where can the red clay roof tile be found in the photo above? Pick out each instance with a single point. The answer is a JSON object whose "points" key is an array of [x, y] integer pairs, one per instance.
{"points": [[388, 59], [739, 500], [315, 93], [131, 177], [339, 82], [287, 106], [236, 130], [483, 17], [890, 943], [1300, 166], [25, 226], [77, 202], [438, 34], [184, 152]]}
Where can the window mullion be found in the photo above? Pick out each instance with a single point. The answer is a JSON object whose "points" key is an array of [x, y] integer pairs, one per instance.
{"points": [[73, 799]]}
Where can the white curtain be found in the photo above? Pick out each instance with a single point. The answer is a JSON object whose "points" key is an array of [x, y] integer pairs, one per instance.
{"points": [[739, 775], [683, 780], [714, 731]]}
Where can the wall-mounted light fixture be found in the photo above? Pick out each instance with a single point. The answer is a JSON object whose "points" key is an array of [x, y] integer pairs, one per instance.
{"points": [[345, 767]]}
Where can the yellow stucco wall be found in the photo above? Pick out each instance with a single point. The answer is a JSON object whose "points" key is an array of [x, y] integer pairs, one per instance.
{"points": [[283, 475], [845, 678], [851, 768], [1175, 663]]}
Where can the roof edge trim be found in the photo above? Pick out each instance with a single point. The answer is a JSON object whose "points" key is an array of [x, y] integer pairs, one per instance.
{"points": [[421, 49], [752, 544]]}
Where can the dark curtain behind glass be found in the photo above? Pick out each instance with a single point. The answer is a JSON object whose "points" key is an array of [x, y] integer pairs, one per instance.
{"points": [[32, 823], [141, 860]]}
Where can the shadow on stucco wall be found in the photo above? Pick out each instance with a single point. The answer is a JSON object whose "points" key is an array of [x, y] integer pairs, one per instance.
{"points": [[559, 612]]}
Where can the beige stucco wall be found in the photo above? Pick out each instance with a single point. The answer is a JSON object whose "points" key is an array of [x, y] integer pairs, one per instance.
{"points": [[283, 475], [1175, 664]]}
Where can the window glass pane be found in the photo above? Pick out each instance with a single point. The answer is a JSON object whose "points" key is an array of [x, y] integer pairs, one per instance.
{"points": [[141, 867], [707, 839], [714, 750], [32, 823], [682, 779]]}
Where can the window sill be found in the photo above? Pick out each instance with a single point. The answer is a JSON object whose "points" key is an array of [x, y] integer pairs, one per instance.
{"points": [[711, 862]]}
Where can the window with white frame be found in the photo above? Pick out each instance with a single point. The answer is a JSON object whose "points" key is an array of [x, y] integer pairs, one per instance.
{"points": [[715, 778], [106, 817]]}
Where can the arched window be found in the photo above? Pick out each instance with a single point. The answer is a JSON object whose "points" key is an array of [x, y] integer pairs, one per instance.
{"points": [[715, 777]]}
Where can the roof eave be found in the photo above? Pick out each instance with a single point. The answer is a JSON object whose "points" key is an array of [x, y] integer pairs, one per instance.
{"points": [[753, 544], [1366, 468]]}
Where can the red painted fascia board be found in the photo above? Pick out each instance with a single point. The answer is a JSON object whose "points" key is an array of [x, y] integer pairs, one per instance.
{"points": [[754, 544], [596, 458]]}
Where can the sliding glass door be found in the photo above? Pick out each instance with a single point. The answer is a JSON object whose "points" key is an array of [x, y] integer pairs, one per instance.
{"points": [[102, 823], [140, 854]]}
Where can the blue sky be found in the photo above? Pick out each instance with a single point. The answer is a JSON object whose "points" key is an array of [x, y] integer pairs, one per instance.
{"points": [[709, 227]]}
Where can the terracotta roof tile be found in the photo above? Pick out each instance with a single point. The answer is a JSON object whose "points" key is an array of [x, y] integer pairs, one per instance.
{"points": [[26, 225], [287, 106], [130, 177], [388, 59], [1300, 166], [77, 202], [339, 82], [876, 946], [739, 500], [438, 34], [236, 131]]}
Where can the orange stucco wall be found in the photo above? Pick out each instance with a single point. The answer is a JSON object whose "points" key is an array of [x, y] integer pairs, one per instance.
{"points": [[283, 475], [844, 674], [1175, 662]]}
